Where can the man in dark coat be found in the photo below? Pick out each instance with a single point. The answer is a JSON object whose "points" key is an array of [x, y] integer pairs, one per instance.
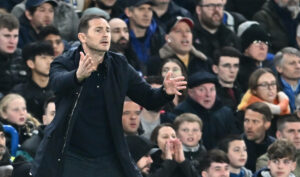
{"points": [[91, 84]]}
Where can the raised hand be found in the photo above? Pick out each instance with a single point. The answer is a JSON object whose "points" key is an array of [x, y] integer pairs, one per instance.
{"points": [[174, 85], [85, 67], [178, 151]]}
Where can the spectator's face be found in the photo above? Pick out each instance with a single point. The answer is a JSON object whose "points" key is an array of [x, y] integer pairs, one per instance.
{"points": [[2, 144], [289, 67], [119, 32], [257, 50], [180, 38], [144, 164], [189, 133], [281, 167], [49, 113], [171, 66], [290, 4], [237, 153], [255, 126], [108, 3], [160, 2], [140, 16], [204, 94], [56, 43], [266, 87], [98, 36], [227, 69], [164, 135], [130, 117], [210, 14], [216, 169], [41, 65], [8, 40], [16, 112], [291, 131], [43, 16]]}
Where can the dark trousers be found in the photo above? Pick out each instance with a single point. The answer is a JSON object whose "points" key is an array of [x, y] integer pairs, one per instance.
{"points": [[76, 165]]}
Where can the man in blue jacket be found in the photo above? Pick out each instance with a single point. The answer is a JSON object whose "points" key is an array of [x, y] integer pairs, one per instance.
{"points": [[86, 137]]}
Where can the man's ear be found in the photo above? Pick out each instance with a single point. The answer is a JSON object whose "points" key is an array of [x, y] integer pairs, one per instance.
{"points": [[204, 174], [30, 64], [267, 125], [278, 134], [279, 69], [127, 12], [82, 37], [28, 15], [198, 10], [215, 69]]}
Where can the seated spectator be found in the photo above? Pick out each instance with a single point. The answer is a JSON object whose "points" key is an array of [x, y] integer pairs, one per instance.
{"points": [[255, 45], [287, 62], [5, 165], [172, 156], [218, 120], [288, 127], [12, 67], [38, 57], [112, 7], [245, 7], [282, 160], [214, 163], [49, 110], [51, 34], [226, 67], [130, 117], [263, 88], [179, 45], [13, 112], [236, 150], [188, 128], [297, 104], [257, 121]]}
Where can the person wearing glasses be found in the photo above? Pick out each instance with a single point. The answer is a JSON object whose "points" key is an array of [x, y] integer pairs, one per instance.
{"points": [[255, 45], [210, 33], [287, 62]]}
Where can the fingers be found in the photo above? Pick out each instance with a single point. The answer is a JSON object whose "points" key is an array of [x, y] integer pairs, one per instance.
{"points": [[168, 75]]}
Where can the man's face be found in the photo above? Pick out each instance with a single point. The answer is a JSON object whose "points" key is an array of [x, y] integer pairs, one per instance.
{"points": [[180, 38], [41, 65], [144, 164], [287, 3], [281, 167], [141, 16], [255, 126], [290, 67], [108, 3], [2, 144], [291, 131], [160, 2], [119, 33], [257, 50], [98, 37], [49, 113], [8, 40], [217, 169], [56, 43], [227, 69], [189, 133], [210, 13], [130, 117], [43, 16], [204, 94]]}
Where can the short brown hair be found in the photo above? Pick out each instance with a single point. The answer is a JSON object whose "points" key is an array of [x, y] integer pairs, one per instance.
{"points": [[261, 108], [9, 21], [282, 148], [187, 117], [84, 22]]}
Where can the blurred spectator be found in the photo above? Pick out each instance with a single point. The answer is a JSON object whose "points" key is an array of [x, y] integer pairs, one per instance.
{"points": [[235, 148], [12, 67], [226, 64], [112, 7], [179, 45], [171, 160], [130, 117], [38, 13], [209, 32], [146, 37], [167, 10], [257, 121], [5, 164], [218, 120], [297, 104], [38, 57], [51, 34], [255, 45], [214, 163], [245, 7], [96, 10], [9, 4], [280, 19], [49, 110], [288, 128], [287, 62], [120, 41]]}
